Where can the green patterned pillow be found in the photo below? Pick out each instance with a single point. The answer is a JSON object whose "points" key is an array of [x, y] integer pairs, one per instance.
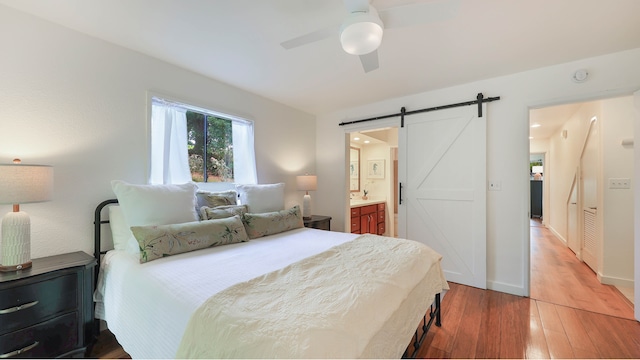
{"points": [[221, 212], [158, 241], [258, 225], [215, 199]]}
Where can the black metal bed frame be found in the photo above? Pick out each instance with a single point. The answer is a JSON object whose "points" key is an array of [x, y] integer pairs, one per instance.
{"points": [[434, 316], [434, 309]]}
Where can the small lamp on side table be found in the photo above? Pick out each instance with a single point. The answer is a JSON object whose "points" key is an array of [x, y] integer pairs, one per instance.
{"points": [[20, 184], [307, 183]]}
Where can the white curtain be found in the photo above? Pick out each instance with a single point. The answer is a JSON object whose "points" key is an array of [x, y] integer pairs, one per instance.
{"points": [[169, 160], [244, 158]]}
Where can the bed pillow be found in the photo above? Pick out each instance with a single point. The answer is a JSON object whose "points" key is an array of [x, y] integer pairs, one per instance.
{"points": [[262, 198], [215, 199], [121, 235], [159, 241], [221, 212], [258, 225], [156, 204]]}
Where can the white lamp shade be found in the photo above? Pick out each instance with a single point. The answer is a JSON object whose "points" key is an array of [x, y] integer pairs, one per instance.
{"points": [[20, 184], [307, 182], [361, 33], [537, 169]]}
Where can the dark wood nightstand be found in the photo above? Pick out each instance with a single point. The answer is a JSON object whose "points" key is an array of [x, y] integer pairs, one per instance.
{"points": [[318, 222], [47, 310]]}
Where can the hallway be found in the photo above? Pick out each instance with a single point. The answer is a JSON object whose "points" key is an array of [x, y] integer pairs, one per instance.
{"points": [[558, 277]]}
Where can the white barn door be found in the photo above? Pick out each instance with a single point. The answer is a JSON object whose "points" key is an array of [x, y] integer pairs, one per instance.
{"points": [[442, 169]]}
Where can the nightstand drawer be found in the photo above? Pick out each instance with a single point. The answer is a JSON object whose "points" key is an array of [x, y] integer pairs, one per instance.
{"points": [[55, 337], [32, 303]]}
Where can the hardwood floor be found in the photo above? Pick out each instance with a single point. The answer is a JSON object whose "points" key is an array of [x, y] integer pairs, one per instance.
{"points": [[107, 347], [488, 324], [558, 277], [569, 315]]}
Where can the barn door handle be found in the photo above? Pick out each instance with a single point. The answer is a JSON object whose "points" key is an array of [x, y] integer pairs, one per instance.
{"points": [[399, 193]]}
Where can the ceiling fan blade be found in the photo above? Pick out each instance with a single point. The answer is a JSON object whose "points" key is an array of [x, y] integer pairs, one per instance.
{"points": [[418, 13], [310, 37], [369, 61]]}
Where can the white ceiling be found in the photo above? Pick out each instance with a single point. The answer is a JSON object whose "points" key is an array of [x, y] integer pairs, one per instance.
{"points": [[550, 119], [238, 42]]}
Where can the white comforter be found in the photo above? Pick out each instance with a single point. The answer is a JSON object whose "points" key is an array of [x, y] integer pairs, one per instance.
{"points": [[147, 306], [313, 308]]}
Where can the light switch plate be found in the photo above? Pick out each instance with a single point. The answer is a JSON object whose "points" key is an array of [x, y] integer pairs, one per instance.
{"points": [[619, 183]]}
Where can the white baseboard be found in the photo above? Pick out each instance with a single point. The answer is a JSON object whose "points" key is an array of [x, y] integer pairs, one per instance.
{"points": [[557, 234], [615, 281], [507, 288]]}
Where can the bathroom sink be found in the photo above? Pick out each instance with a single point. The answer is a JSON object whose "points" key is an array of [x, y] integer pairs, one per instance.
{"points": [[360, 202]]}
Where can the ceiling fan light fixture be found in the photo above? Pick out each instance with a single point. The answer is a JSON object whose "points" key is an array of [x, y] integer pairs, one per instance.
{"points": [[361, 32]]}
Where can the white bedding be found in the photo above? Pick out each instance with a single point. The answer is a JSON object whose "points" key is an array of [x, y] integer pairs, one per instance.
{"points": [[147, 306]]}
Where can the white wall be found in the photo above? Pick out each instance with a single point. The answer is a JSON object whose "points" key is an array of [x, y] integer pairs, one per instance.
{"points": [[378, 188], [617, 257], [615, 214], [79, 104], [507, 147], [564, 160]]}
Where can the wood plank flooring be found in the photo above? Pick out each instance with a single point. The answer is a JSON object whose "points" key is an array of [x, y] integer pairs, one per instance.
{"points": [[558, 277], [568, 316], [488, 324]]}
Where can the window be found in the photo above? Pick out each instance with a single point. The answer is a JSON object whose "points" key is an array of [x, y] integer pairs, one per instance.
{"points": [[189, 143], [210, 147]]}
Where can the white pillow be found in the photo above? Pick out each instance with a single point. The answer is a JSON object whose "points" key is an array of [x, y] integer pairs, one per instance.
{"points": [[262, 198], [121, 234], [144, 205]]}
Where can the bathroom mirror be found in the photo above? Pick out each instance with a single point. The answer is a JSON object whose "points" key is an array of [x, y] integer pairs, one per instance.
{"points": [[354, 169]]}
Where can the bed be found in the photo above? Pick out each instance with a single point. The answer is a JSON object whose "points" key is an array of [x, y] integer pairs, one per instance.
{"points": [[295, 293]]}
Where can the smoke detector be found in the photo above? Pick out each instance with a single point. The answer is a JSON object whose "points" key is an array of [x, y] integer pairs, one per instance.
{"points": [[580, 75]]}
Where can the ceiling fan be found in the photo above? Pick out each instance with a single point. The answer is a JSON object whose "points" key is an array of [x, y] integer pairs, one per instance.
{"points": [[362, 29]]}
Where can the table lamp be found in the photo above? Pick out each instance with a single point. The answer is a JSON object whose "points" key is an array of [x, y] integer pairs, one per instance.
{"points": [[307, 183], [20, 184]]}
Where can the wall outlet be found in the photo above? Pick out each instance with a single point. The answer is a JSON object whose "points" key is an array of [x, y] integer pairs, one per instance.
{"points": [[619, 183], [495, 186]]}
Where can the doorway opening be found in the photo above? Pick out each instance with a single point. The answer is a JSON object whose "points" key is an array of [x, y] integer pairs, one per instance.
{"points": [[373, 180], [586, 207]]}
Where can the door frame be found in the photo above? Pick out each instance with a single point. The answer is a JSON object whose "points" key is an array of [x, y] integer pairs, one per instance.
{"points": [[371, 125], [526, 233]]}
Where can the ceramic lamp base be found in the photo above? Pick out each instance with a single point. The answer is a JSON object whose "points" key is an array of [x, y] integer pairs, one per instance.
{"points": [[306, 207], [16, 241]]}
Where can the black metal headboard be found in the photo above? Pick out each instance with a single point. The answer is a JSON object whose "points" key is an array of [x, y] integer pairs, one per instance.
{"points": [[97, 235]]}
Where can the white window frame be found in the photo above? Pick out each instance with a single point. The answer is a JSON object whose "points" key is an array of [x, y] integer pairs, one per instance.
{"points": [[244, 156]]}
